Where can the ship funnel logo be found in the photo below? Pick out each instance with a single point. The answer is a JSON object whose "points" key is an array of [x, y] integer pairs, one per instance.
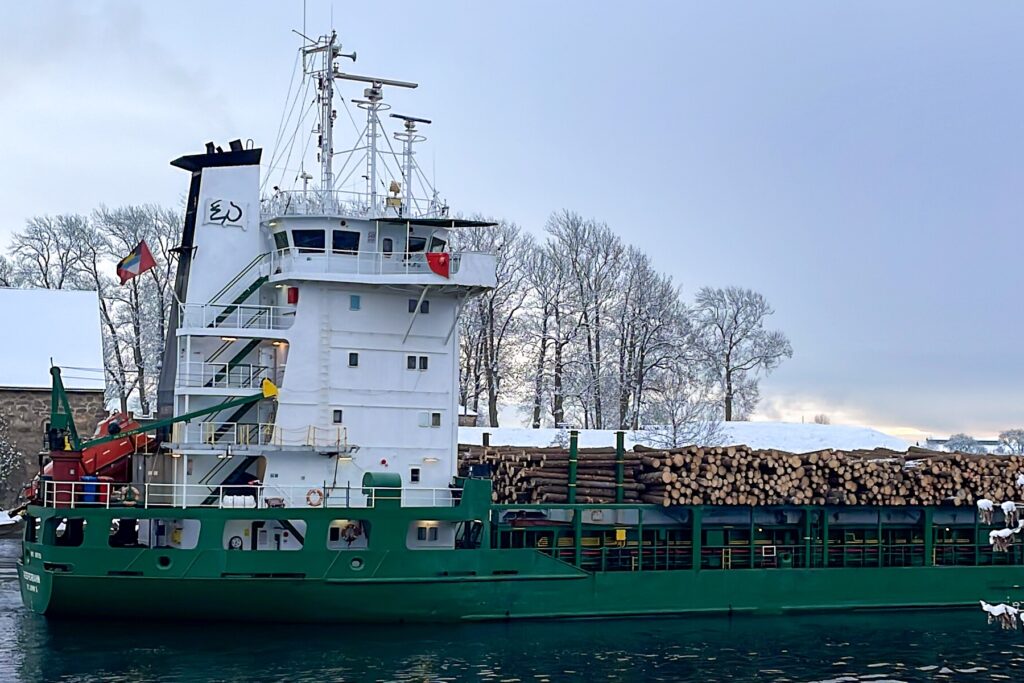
{"points": [[225, 213]]}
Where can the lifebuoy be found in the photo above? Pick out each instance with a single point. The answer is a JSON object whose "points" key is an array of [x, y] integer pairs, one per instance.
{"points": [[314, 498], [235, 543]]}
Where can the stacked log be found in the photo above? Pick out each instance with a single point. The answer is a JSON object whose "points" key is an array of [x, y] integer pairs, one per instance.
{"points": [[739, 475]]}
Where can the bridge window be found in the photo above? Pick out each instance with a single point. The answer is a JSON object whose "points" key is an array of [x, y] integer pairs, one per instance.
{"points": [[308, 240], [437, 244], [417, 244], [281, 240], [345, 241]]}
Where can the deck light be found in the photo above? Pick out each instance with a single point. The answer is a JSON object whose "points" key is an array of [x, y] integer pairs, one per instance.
{"points": [[431, 460], [229, 339]]}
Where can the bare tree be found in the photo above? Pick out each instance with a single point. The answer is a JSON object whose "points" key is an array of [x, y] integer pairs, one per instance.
{"points": [[8, 278], [595, 258], [822, 419], [962, 443], [495, 315], [732, 341], [680, 411], [48, 253], [1012, 441]]}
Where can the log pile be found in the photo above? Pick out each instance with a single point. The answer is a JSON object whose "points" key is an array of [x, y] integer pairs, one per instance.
{"points": [[739, 475]]}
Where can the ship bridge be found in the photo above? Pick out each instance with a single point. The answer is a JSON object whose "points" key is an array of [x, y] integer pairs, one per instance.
{"points": [[310, 244]]}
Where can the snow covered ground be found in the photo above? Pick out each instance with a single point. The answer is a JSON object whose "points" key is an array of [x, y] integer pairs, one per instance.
{"points": [[786, 436]]}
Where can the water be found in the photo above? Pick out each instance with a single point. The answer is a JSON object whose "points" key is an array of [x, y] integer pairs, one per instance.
{"points": [[916, 646]]}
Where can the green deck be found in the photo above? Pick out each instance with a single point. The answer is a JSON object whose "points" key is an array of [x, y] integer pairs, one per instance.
{"points": [[703, 560]]}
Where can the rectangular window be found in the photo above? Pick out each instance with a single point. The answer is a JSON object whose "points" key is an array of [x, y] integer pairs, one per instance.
{"points": [[425, 306], [412, 305], [410, 362], [421, 533], [423, 362], [345, 241], [436, 244], [308, 240], [281, 239], [424, 419], [435, 419], [337, 416], [414, 475], [433, 534], [354, 302], [417, 243], [353, 360]]}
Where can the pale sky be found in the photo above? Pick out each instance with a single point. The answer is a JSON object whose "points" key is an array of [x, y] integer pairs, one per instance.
{"points": [[858, 163]]}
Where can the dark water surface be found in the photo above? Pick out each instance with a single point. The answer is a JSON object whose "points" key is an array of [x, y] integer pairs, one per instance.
{"points": [[915, 646]]}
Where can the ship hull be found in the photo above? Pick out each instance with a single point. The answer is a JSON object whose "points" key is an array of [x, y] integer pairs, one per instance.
{"points": [[601, 595]]}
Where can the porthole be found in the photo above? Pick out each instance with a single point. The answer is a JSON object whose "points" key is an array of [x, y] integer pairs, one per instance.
{"points": [[163, 561], [356, 563]]}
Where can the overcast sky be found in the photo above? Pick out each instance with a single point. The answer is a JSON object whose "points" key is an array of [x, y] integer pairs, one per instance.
{"points": [[859, 163]]}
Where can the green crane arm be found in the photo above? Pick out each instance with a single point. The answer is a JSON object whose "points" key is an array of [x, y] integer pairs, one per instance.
{"points": [[60, 413]]}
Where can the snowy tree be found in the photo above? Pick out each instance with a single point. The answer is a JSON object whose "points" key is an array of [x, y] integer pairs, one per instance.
{"points": [[962, 443], [10, 457], [8, 278], [734, 345], [822, 419], [594, 255], [1012, 441], [47, 253], [492, 320], [681, 411]]}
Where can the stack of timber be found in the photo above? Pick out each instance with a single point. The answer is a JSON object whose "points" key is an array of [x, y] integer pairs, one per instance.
{"points": [[541, 475], [739, 475]]}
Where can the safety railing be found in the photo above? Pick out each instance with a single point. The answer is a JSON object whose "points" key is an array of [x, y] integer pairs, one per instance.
{"points": [[338, 261], [258, 434], [236, 316], [223, 375], [105, 494], [344, 202]]}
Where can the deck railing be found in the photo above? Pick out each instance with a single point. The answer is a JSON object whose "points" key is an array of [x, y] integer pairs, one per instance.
{"points": [[236, 316], [472, 265], [258, 434], [105, 494], [342, 202], [223, 375]]}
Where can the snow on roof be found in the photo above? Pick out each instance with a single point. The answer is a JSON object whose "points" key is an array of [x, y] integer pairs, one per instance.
{"points": [[43, 324], [784, 436]]}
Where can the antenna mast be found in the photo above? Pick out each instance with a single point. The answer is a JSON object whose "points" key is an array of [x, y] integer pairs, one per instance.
{"points": [[408, 138]]}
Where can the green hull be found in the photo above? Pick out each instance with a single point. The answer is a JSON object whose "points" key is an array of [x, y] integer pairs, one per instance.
{"points": [[390, 582], [600, 595]]}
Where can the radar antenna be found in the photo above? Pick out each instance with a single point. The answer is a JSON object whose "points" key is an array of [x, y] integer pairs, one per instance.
{"points": [[408, 138]]}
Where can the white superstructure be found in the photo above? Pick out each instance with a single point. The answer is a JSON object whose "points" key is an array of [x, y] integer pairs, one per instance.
{"points": [[347, 301]]}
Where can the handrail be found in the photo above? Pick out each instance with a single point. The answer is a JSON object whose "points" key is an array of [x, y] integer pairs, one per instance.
{"points": [[223, 375], [364, 262], [242, 273], [240, 316], [105, 494], [214, 433]]}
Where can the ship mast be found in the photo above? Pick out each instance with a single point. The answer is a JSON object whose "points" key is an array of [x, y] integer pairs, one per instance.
{"points": [[408, 138], [326, 70]]}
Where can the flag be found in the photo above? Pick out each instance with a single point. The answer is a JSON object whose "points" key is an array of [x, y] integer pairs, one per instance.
{"points": [[135, 263], [439, 262]]}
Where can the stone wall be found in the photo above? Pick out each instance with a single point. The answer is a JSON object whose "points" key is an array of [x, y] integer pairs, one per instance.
{"points": [[26, 411]]}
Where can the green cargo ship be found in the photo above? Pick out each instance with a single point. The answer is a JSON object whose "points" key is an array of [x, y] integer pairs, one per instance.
{"points": [[302, 466]]}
